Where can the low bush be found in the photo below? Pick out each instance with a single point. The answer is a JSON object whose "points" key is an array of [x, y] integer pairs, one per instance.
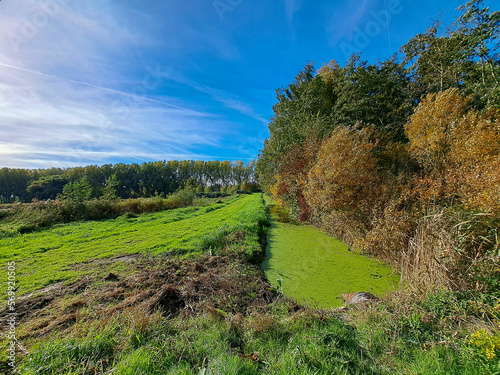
{"points": [[214, 194], [27, 218]]}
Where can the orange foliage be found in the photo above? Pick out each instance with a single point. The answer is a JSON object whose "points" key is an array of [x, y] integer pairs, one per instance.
{"points": [[459, 150], [344, 176], [292, 178], [429, 128], [276, 189], [475, 161], [481, 187]]}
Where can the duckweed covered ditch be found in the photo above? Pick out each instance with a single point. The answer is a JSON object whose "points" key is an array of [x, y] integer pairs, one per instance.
{"points": [[311, 266]]}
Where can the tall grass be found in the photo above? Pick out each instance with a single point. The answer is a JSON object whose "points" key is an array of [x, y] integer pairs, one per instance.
{"points": [[27, 218], [452, 249], [279, 338], [247, 234], [269, 343], [430, 261], [412, 334]]}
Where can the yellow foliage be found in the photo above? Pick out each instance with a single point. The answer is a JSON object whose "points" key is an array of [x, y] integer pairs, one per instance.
{"points": [[274, 191], [459, 150], [429, 128], [475, 161], [480, 188], [344, 175], [475, 140], [331, 73]]}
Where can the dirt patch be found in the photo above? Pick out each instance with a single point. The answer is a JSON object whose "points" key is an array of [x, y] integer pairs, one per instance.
{"points": [[172, 287], [239, 236], [53, 289], [27, 306], [105, 261], [112, 277], [168, 300]]}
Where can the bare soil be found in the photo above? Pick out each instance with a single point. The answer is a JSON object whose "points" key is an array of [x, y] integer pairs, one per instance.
{"points": [[170, 286]]}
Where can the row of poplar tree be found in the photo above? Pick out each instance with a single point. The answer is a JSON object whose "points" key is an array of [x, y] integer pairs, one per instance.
{"points": [[129, 180]]}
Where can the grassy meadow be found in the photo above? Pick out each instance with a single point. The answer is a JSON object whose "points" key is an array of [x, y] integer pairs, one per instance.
{"points": [[63, 253]]}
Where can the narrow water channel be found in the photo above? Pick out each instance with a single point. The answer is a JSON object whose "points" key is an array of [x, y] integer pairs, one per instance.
{"points": [[314, 267]]}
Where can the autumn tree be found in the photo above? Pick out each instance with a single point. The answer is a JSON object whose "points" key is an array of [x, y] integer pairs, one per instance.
{"points": [[301, 115], [475, 160], [291, 179], [458, 149], [344, 176], [430, 127]]}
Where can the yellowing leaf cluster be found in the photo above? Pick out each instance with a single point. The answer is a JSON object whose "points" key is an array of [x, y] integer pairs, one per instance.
{"points": [[457, 148], [344, 175]]}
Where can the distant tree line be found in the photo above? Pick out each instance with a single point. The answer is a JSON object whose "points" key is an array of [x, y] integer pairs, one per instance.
{"points": [[366, 151], [128, 180]]}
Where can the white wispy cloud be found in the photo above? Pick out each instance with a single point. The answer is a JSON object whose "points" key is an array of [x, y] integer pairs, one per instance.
{"points": [[64, 97], [291, 6], [60, 36], [42, 116], [99, 81], [230, 101]]}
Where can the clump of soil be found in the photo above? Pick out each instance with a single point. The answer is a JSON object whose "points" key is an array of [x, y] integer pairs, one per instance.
{"points": [[172, 287], [168, 300], [111, 277]]}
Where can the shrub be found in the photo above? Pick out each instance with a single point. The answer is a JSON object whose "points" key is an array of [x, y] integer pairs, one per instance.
{"points": [[458, 150], [390, 232], [109, 192], [344, 177], [77, 192], [489, 344], [182, 197], [433, 260], [429, 128], [46, 187], [30, 217], [292, 179]]}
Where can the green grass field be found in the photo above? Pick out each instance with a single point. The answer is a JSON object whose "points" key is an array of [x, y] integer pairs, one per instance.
{"points": [[51, 255]]}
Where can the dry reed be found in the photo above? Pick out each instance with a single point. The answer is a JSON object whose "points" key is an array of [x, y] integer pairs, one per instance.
{"points": [[429, 262]]}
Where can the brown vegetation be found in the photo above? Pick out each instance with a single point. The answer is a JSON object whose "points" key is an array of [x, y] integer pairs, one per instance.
{"points": [[169, 287], [407, 203]]}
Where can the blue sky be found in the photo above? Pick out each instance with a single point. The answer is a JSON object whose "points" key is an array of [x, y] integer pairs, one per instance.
{"points": [[108, 81]]}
